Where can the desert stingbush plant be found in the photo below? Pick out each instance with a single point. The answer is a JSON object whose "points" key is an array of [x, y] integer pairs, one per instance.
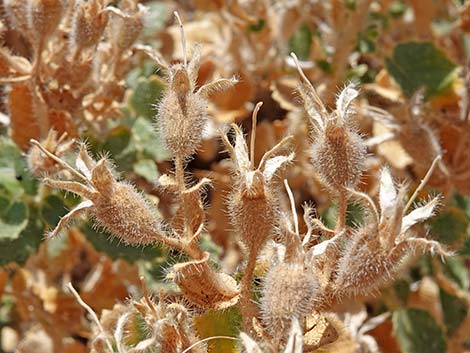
{"points": [[308, 276], [292, 275]]}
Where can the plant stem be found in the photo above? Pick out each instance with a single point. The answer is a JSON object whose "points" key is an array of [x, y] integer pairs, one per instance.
{"points": [[179, 173], [247, 307], [192, 249], [342, 208]]}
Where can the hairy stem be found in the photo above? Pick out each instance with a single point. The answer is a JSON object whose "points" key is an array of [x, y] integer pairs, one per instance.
{"points": [[189, 246], [342, 208], [42, 118], [179, 174], [247, 307]]}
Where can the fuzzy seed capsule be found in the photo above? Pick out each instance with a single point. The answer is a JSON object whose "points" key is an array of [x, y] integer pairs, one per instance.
{"points": [[421, 143], [88, 24], [338, 152], [44, 16], [364, 264], [126, 214], [16, 13], [254, 214], [203, 286], [126, 29], [182, 117], [289, 292], [339, 157], [182, 112]]}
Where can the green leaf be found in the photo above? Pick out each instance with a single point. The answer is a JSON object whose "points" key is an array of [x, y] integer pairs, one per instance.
{"points": [[15, 177], [325, 66], [462, 202], [132, 77], [156, 15], [455, 269], [104, 242], [366, 40], [417, 332], [13, 218], [465, 249], [220, 323], [117, 140], [442, 27], [329, 216], [354, 215], [420, 64], [18, 250], [147, 169], [454, 311], [53, 208], [146, 95], [146, 140], [449, 227], [351, 4], [466, 43], [402, 290], [301, 42], [56, 245]]}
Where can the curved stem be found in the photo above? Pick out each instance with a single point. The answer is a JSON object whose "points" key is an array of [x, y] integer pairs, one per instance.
{"points": [[423, 183], [209, 339], [254, 120]]}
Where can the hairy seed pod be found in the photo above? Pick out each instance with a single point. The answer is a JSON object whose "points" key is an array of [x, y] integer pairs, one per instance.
{"points": [[44, 16], [339, 157], [375, 252], [126, 29], [422, 144], [122, 210], [88, 24], [116, 206], [288, 292], [254, 212], [16, 14], [203, 286], [338, 152], [24, 110], [182, 112], [182, 115], [364, 264], [142, 325]]}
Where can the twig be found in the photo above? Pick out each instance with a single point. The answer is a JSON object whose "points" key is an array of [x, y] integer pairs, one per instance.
{"points": [[92, 314]]}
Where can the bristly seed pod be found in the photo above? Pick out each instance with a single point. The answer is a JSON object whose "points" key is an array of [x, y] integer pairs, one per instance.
{"points": [[44, 16], [374, 253], [146, 325], [15, 11], [182, 112], [88, 23], [288, 292], [338, 152], [115, 206], [253, 204], [126, 27], [203, 286]]}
